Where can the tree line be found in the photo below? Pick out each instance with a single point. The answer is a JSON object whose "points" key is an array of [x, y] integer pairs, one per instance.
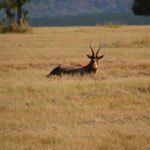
{"points": [[91, 20], [17, 13]]}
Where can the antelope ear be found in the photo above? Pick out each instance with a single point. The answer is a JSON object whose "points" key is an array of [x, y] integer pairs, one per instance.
{"points": [[88, 56], [101, 57]]}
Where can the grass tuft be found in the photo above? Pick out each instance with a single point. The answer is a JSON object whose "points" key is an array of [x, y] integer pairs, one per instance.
{"points": [[112, 26]]}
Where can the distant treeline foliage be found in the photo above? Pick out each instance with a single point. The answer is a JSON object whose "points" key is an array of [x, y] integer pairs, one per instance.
{"points": [[91, 20], [77, 7]]}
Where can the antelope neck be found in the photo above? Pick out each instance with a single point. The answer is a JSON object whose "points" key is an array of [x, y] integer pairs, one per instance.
{"points": [[89, 67]]}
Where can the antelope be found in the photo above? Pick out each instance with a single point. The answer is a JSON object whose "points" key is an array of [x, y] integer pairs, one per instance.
{"points": [[91, 67]]}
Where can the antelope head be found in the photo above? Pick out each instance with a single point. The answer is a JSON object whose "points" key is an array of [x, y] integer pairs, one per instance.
{"points": [[94, 58]]}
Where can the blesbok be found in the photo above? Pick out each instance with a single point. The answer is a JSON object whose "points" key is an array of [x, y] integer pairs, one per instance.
{"points": [[91, 67]]}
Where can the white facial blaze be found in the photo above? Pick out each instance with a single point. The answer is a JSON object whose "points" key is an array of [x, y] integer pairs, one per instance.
{"points": [[95, 65]]}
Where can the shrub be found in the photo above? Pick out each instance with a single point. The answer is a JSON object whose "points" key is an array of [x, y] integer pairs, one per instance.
{"points": [[15, 28]]}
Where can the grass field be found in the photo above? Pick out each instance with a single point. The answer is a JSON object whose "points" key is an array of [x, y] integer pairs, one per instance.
{"points": [[109, 110]]}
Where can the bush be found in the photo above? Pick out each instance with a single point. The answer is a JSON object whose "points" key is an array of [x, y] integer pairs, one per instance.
{"points": [[15, 28]]}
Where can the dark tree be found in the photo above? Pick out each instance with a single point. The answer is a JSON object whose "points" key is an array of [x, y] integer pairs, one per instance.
{"points": [[141, 7], [11, 6]]}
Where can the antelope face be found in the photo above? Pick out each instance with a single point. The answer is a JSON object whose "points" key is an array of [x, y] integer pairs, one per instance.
{"points": [[94, 58], [95, 64]]}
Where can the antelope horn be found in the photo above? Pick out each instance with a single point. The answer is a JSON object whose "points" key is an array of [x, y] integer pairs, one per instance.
{"points": [[91, 48], [98, 50]]}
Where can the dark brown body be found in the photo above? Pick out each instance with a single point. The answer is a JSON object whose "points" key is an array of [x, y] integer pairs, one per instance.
{"points": [[89, 68]]}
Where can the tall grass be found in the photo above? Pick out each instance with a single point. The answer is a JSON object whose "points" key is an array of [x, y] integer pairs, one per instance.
{"points": [[106, 110]]}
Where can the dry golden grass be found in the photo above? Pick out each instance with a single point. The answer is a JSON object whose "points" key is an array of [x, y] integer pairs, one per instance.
{"points": [[108, 110]]}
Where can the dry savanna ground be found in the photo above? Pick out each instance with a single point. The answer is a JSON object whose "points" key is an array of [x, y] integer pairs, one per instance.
{"points": [[109, 110]]}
